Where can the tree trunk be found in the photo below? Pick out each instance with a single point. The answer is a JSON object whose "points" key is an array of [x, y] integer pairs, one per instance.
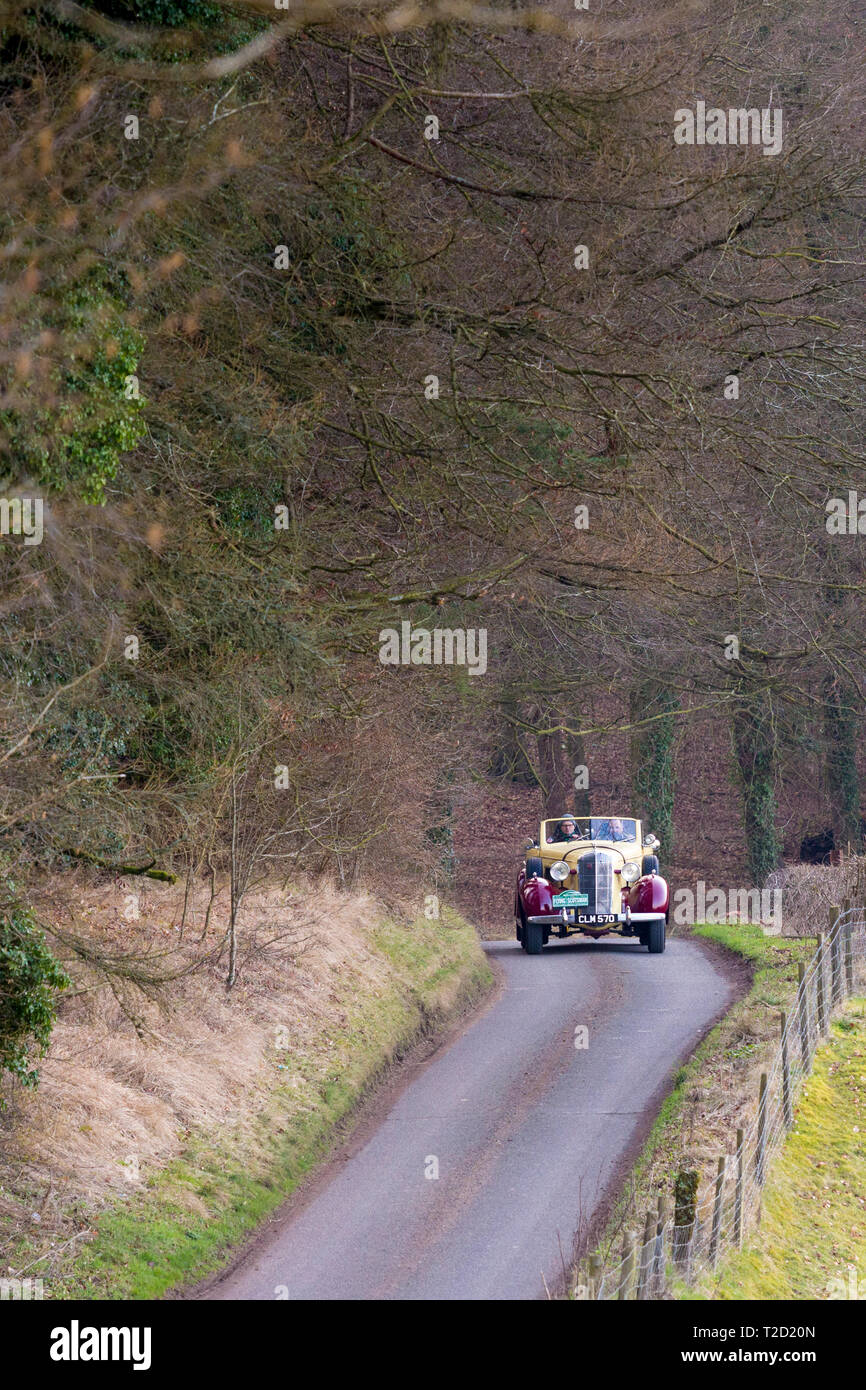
{"points": [[509, 757], [562, 762]]}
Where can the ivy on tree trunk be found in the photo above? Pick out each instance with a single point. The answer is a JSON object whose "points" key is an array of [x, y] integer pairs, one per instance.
{"points": [[843, 783], [652, 759], [754, 737]]}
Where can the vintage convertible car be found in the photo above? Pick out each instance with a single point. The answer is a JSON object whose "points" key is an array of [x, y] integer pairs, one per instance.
{"points": [[604, 879]]}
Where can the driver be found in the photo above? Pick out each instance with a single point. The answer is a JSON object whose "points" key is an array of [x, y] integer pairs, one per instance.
{"points": [[568, 829]]}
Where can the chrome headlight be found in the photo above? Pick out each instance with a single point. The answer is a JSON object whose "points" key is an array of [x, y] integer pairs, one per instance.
{"points": [[630, 872], [559, 871]]}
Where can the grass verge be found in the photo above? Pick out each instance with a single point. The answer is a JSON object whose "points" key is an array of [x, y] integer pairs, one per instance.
{"points": [[715, 1091], [191, 1212], [811, 1242]]}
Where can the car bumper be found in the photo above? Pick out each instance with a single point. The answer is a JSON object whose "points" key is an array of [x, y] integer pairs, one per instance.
{"points": [[573, 917]]}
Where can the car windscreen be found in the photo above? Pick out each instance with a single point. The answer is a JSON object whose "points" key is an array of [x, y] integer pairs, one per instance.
{"points": [[610, 828], [613, 828]]}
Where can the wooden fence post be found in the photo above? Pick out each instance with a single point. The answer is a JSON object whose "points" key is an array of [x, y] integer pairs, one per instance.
{"points": [[760, 1154], [717, 1213], [627, 1267], [594, 1275], [686, 1184], [835, 955], [646, 1255], [849, 958], [659, 1253], [787, 1109], [803, 1008], [738, 1191], [821, 987]]}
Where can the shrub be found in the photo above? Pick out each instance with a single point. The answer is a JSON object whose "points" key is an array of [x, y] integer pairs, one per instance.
{"points": [[162, 13], [76, 441], [29, 979]]}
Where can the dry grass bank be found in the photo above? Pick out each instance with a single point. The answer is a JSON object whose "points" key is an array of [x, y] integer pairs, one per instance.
{"points": [[152, 1074]]}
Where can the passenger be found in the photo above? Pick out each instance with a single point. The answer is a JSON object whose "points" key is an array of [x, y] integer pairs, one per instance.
{"points": [[611, 830]]}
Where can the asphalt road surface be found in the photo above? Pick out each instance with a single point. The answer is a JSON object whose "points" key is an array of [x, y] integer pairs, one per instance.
{"points": [[529, 1134]]}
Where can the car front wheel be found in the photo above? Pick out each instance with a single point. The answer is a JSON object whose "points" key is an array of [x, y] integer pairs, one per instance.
{"points": [[533, 938], [656, 937]]}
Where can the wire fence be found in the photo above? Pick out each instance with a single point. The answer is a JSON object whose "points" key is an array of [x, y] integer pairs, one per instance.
{"points": [[686, 1242]]}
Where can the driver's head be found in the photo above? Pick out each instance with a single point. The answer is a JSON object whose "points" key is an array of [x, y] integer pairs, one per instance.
{"points": [[566, 827], [616, 826]]}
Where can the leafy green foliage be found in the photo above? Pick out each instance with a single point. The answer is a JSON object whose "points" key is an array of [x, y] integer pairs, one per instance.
{"points": [[29, 979], [165, 13], [166, 31], [247, 511], [96, 737], [76, 442]]}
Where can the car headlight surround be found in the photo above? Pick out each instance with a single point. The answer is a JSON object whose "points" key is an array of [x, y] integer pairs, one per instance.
{"points": [[630, 871], [559, 871]]}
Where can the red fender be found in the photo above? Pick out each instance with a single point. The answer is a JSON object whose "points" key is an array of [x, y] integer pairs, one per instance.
{"points": [[649, 894], [535, 894]]}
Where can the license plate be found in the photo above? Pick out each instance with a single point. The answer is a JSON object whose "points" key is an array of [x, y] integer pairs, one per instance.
{"points": [[570, 899], [596, 919]]}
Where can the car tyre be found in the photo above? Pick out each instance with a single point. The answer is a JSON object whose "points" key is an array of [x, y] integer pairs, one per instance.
{"points": [[650, 864], [533, 938], [656, 937], [534, 866]]}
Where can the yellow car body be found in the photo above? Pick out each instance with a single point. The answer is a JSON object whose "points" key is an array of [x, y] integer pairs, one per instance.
{"points": [[602, 880], [632, 849]]}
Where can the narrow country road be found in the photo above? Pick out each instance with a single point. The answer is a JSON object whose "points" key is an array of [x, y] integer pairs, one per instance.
{"points": [[527, 1129]]}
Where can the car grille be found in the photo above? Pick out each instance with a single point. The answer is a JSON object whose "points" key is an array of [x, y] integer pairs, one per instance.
{"points": [[595, 878]]}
